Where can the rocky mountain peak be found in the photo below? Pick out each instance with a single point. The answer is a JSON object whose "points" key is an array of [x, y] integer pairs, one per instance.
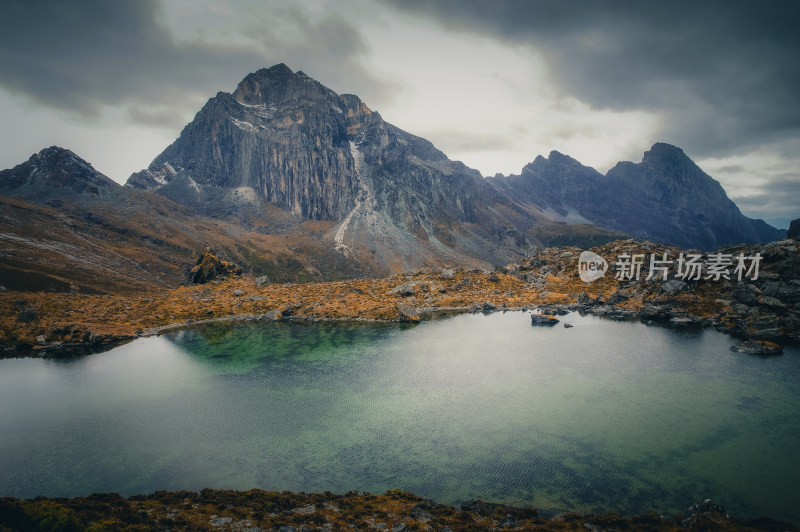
{"points": [[672, 159], [276, 84], [558, 157], [54, 172]]}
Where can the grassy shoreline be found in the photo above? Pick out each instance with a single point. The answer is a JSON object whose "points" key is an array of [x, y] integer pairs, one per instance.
{"points": [[292, 512]]}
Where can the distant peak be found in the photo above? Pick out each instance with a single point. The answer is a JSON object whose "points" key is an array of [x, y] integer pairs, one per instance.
{"points": [[57, 154], [55, 150]]}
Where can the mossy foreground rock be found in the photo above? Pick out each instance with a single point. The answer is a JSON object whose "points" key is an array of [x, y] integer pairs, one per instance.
{"points": [[269, 510]]}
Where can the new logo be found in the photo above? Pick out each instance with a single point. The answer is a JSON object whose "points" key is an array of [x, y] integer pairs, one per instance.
{"points": [[591, 266]]}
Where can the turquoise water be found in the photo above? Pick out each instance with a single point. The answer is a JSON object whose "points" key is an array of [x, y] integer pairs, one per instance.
{"points": [[604, 416]]}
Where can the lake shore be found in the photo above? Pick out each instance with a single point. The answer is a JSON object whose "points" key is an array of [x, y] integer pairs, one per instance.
{"points": [[765, 309], [396, 510]]}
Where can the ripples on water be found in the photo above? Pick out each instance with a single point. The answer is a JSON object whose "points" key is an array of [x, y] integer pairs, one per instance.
{"points": [[605, 416]]}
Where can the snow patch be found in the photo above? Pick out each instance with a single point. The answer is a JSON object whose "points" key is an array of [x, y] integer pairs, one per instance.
{"points": [[170, 168], [244, 126], [158, 178], [193, 184]]}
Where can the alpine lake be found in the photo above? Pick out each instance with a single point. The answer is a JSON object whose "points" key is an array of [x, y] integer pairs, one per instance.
{"points": [[604, 416]]}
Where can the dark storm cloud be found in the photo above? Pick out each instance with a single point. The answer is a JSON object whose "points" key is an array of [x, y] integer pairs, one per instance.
{"points": [[723, 75], [78, 56]]}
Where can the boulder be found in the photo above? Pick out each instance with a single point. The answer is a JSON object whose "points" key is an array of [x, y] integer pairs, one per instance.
{"points": [[27, 315], [405, 289], [543, 319], [745, 293], [447, 275], [407, 314], [272, 315], [466, 281], [617, 297], [210, 267]]}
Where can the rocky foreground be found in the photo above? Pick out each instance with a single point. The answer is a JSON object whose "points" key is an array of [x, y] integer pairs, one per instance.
{"points": [[398, 511], [762, 308]]}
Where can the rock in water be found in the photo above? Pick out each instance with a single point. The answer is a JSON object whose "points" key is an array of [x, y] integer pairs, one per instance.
{"points": [[407, 314], [543, 319], [757, 347]]}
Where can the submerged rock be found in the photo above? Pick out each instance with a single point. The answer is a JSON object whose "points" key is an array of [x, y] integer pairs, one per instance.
{"points": [[757, 347]]}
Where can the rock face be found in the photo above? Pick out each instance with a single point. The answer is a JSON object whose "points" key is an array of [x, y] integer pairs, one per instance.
{"points": [[280, 135], [55, 174], [665, 198]]}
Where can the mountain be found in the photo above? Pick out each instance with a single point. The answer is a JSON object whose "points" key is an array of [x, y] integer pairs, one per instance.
{"points": [[290, 180], [665, 198], [55, 174], [64, 226], [397, 202]]}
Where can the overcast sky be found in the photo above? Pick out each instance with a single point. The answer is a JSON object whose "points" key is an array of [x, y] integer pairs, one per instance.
{"points": [[490, 83]]}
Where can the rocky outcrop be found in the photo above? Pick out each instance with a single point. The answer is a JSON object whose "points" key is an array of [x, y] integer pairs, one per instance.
{"points": [[757, 347], [210, 267]]}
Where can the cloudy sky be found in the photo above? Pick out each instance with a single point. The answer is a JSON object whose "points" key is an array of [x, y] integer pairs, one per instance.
{"points": [[491, 83]]}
